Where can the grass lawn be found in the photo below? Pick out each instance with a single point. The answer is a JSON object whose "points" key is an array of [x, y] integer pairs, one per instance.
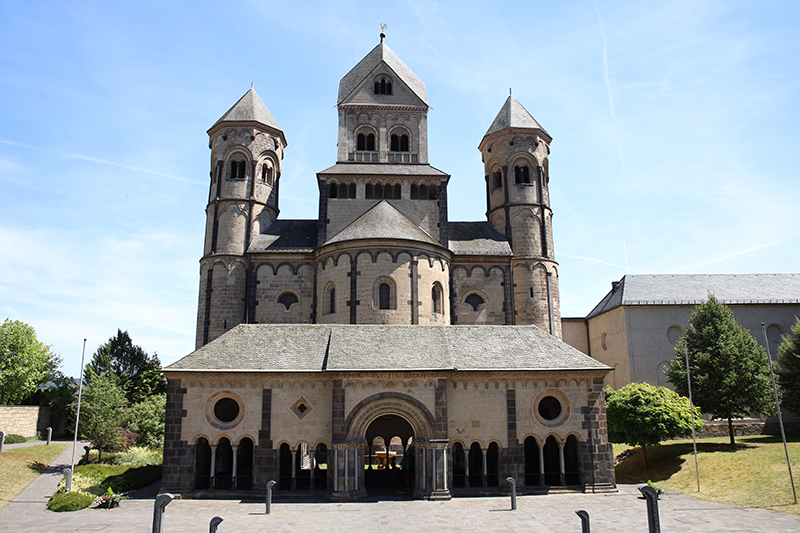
{"points": [[753, 474], [19, 466]]}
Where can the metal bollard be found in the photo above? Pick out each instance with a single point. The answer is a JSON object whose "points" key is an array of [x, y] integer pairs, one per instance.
{"points": [[68, 479], [269, 495], [158, 511], [651, 496], [513, 484], [49, 435], [214, 524], [584, 520], [2, 439]]}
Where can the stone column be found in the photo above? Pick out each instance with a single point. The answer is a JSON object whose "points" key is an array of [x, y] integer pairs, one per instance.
{"points": [[294, 469], [439, 469], [213, 467], [541, 464], [466, 470], [235, 465], [311, 454], [562, 472], [485, 477]]}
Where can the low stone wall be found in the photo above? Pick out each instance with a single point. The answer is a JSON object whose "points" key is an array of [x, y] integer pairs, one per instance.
{"points": [[25, 420], [749, 426]]}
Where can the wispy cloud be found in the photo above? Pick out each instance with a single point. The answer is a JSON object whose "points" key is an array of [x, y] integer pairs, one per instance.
{"points": [[101, 161], [600, 261], [607, 79]]}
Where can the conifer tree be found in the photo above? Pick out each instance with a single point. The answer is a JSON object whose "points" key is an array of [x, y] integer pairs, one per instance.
{"points": [[730, 372]]}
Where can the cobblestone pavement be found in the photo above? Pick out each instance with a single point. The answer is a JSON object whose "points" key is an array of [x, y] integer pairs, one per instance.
{"points": [[617, 512]]}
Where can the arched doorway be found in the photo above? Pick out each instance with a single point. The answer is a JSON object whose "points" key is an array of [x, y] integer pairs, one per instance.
{"points": [[223, 467], [202, 471], [244, 464], [407, 421], [390, 461], [532, 473]]}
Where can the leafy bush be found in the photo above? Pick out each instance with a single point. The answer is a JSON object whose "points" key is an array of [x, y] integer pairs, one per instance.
{"points": [[69, 501], [109, 500], [15, 439]]}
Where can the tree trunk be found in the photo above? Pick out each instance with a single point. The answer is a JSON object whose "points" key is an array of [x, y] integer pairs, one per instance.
{"points": [[730, 430], [644, 457]]}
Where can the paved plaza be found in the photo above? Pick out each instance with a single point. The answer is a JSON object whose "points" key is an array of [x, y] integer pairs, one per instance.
{"points": [[617, 512]]}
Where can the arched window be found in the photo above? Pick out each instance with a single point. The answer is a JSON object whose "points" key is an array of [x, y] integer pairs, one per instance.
{"points": [[431, 193], [384, 296], [395, 144], [397, 191], [234, 169], [436, 298], [414, 191], [474, 300], [423, 192], [383, 86], [368, 192], [497, 179], [404, 143], [351, 191], [334, 191], [361, 142], [370, 142], [342, 190], [287, 299], [241, 169], [331, 299], [264, 173], [378, 194]]}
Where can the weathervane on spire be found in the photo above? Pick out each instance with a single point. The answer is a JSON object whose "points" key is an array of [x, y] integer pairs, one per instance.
{"points": [[383, 29]]}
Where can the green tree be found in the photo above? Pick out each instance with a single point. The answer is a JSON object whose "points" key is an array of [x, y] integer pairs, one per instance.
{"points": [[146, 419], [138, 373], [789, 376], [730, 372], [102, 407], [24, 361], [640, 414]]}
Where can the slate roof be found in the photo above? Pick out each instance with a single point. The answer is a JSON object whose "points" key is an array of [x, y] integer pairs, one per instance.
{"points": [[693, 289], [286, 236], [382, 169], [381, 53], [513, 115], [477, 238], [321, 348], [249, 108], [382, 221]]}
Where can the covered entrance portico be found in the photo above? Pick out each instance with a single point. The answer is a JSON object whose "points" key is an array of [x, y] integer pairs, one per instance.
{"points": [[388, 415]]}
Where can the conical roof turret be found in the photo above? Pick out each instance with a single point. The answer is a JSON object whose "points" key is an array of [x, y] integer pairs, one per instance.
{"points": [[514, 115], [249, 108]]}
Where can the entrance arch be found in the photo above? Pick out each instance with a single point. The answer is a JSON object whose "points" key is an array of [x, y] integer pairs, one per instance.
{"points": [[390, 414]]}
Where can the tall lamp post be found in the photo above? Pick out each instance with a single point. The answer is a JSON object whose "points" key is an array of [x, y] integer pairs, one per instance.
{"points": [[68, 484]]}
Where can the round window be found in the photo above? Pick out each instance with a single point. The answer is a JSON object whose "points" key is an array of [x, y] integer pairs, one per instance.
{"points": [[549, 408], [226, 410]]}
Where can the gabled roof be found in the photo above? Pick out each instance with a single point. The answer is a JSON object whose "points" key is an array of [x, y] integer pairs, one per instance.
{"points": [[477, 238], [693, 289], [249, 108], [293, 236], [381, 54], [382, 221], [513, 115], [321, 348]]}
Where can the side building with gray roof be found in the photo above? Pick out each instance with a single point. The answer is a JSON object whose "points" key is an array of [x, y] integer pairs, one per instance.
{"points": [[381, 331], [634, 327]]}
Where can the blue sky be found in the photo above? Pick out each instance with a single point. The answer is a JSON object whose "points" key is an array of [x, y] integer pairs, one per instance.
{"points": [[674, 127]]}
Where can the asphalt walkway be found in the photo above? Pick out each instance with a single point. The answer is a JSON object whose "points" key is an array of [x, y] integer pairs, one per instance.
{"points": [[616, 512]]}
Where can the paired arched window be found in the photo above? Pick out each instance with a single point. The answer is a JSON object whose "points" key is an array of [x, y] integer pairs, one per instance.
{"points": [[266, 174], [343, 190], [399, 143], [237, 169], [287, 299], [474, 300], [522, 174], [365, 142], [383, 85]]}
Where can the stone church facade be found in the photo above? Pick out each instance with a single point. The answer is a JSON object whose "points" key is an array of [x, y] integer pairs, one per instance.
{"points": [[321, 341]]}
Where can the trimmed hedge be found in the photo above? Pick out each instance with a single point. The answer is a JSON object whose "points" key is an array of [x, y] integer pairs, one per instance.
{"points": [[15, 439], [69, 501]]}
